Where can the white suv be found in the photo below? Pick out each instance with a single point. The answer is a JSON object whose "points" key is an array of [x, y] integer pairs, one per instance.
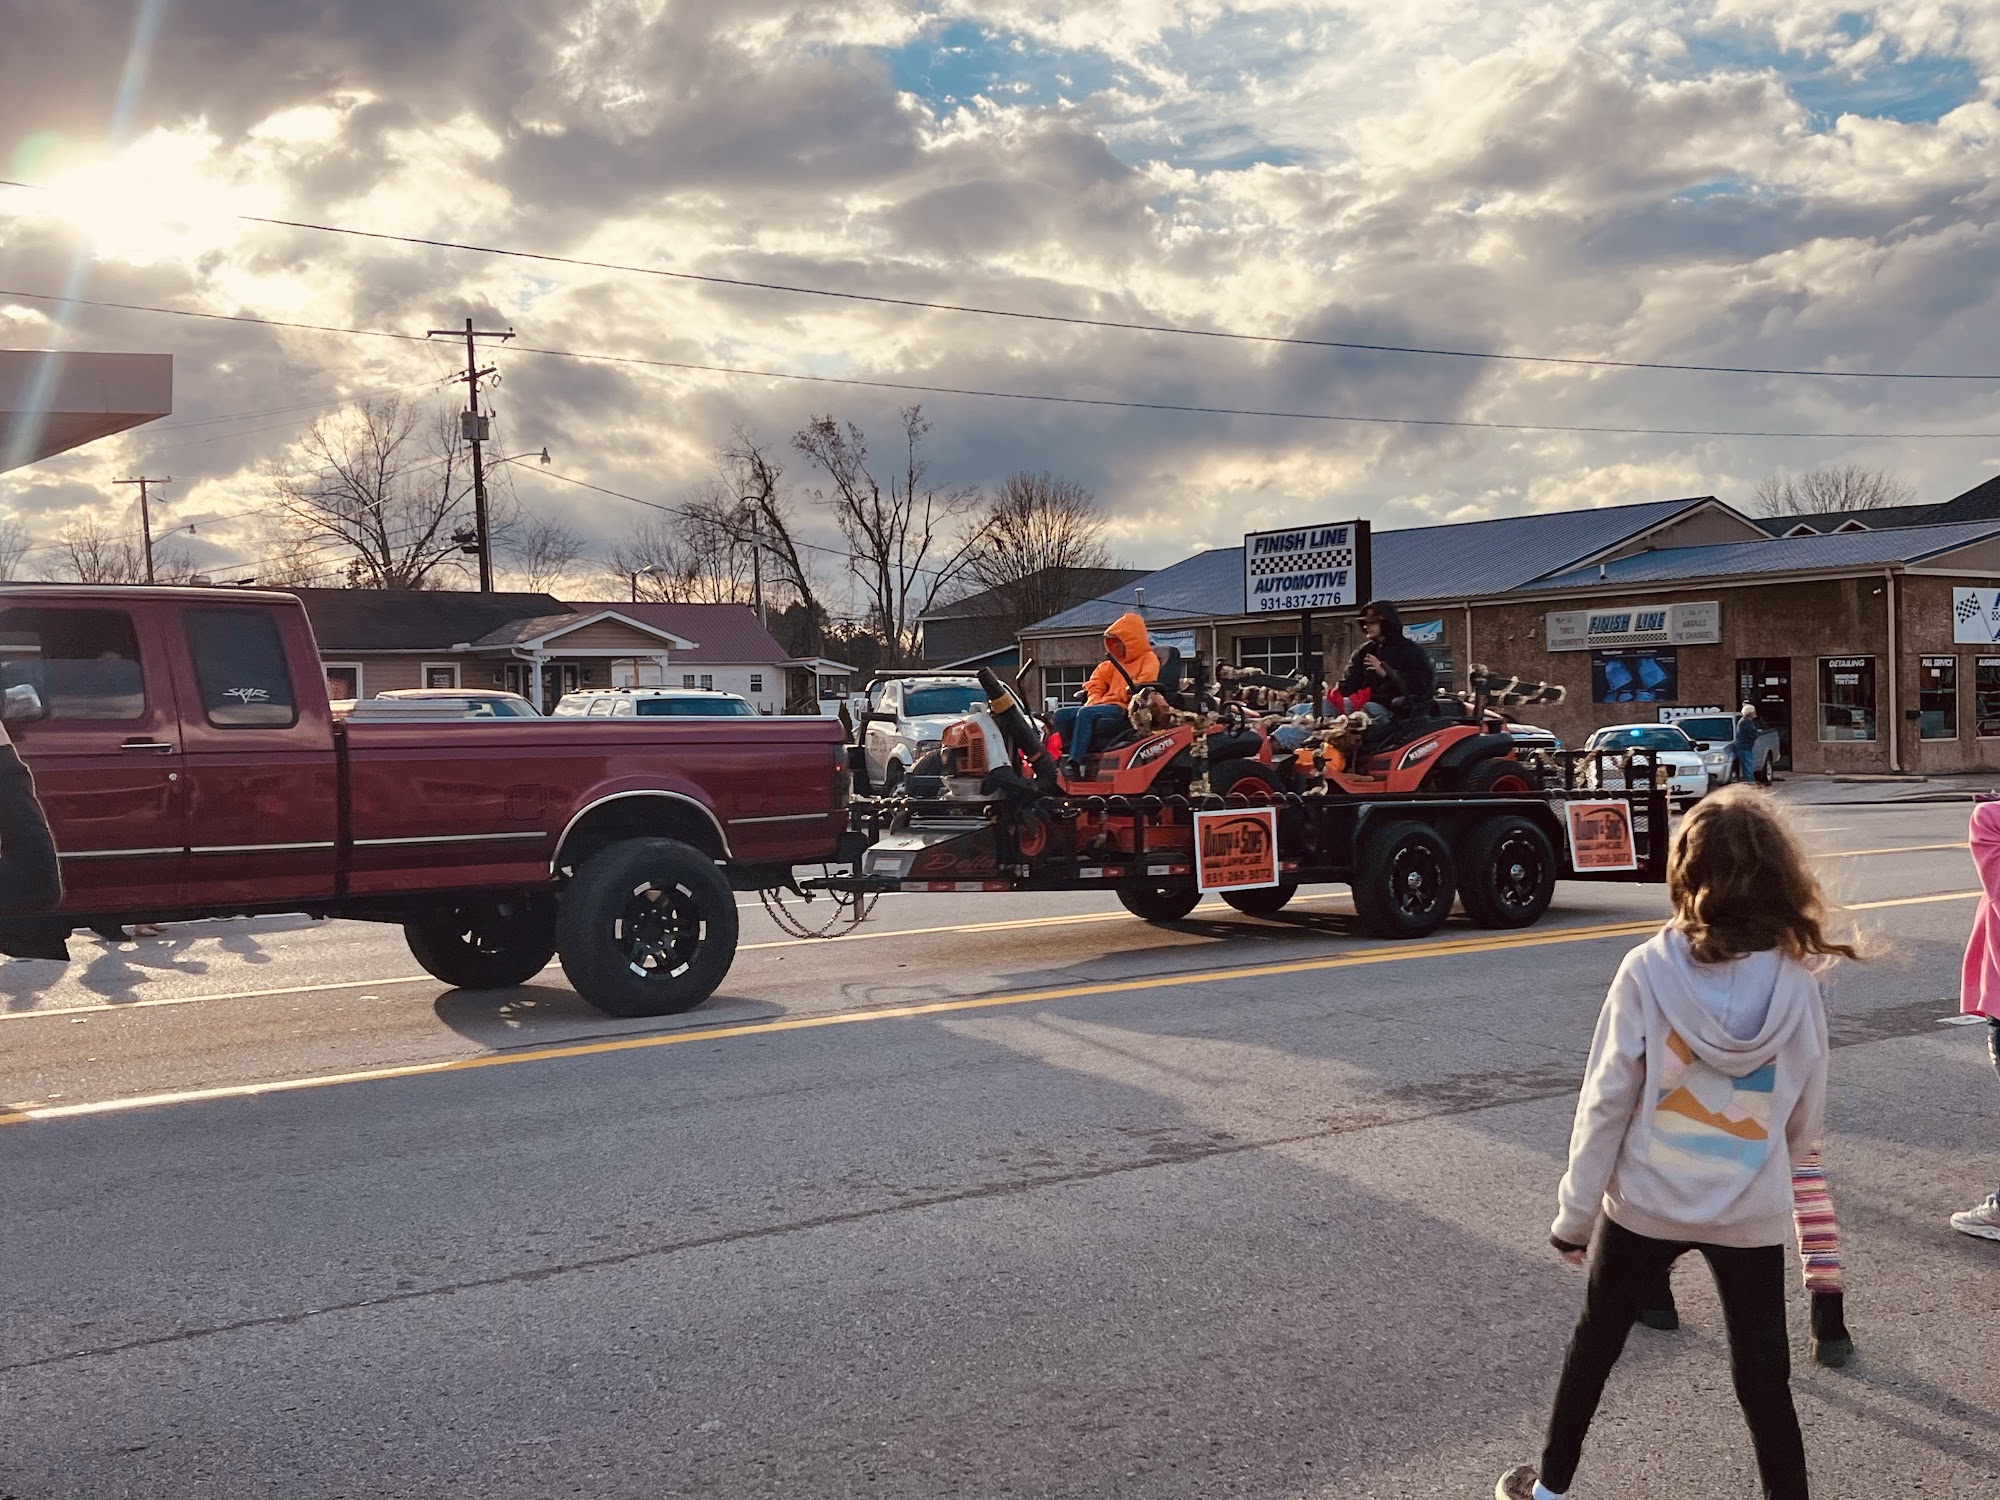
{"points": [[652, 703]]}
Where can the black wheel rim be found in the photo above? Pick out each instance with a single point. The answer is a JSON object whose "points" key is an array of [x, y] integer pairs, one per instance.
{"points": [[660, 931], [1416, 878], [1517, 871]]}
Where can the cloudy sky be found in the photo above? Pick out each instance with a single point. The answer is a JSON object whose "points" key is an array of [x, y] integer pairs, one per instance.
{"points": [[1802, 183]]}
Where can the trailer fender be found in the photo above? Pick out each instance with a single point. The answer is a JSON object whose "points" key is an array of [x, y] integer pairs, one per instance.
{"points": [[1468, 751]]}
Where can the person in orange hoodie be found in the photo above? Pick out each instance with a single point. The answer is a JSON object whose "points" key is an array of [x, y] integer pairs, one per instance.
{"points": [[1129, 659]]}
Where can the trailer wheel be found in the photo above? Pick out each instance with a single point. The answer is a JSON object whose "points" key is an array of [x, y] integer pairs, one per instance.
{"points": [[491, 945], [647, 928], [1404, 880], [1156, 902], [1507, 873], [1264, 900]]}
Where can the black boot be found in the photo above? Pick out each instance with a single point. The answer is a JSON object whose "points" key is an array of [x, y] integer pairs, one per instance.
{"points": [[1831, 1344]]}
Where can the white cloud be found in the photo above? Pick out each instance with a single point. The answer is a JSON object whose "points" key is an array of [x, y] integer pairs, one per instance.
{"points": [[1611, 179]]}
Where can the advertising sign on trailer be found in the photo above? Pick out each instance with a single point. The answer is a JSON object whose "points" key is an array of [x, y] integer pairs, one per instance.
{"points": [[1600, 836], [1236, 849], [1306, 567]]}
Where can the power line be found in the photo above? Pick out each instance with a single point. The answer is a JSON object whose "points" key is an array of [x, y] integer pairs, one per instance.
{"points": [[1041, 397], [1078, 321]]}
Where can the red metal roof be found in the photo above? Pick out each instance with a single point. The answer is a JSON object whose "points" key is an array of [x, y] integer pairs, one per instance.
{"points": [[726, 634]]}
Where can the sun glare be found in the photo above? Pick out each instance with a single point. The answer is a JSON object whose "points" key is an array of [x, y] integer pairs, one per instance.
{"points": [[154, 200]]}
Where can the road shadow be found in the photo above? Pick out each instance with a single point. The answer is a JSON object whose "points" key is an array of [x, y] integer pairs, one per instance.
{"points": [[539, 1015], [118, 972]]}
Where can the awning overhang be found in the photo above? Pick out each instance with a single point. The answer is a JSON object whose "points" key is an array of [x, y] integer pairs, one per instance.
{"points": [[52, 402]]}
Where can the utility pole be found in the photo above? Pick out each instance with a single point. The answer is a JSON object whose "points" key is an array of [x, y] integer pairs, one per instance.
{"points": [[146, 514], [757, 567], [474, 427]]}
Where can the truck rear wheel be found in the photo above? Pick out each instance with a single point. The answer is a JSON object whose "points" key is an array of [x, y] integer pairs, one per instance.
{"points": [[1506, 873], [1264, 900], [1404, 880], [1156, 902], [493, 945], [647, 928]]}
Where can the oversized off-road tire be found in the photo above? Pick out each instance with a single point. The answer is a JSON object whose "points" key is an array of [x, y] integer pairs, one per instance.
{"points": [[647, 928], [1506, 873], [1404, 880], [1264, 900], [1157, 902], [491, 945], [1499, 776]]}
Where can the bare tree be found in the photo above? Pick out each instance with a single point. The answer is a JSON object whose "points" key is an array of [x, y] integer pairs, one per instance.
{"points": [[87, 551], [754, 479], [1039, 541], [542, 551], [908, 547], [382, 489], [697, 554], [1820, 492], [15, 542]]}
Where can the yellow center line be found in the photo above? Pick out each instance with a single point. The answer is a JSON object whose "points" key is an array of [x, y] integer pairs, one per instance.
{"points": [[1401, 953], [1405, 952]]}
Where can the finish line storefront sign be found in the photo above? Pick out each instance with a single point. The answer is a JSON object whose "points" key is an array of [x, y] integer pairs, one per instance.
{"points": [[1630, 625], [1306, 568]]}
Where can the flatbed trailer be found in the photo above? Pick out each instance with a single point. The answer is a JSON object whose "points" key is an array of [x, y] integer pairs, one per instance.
{"points": [[1407, 857]]}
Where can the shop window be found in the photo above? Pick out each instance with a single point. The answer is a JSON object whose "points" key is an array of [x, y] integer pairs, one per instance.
{"points": [[1937, 698], [1847, 698], [1276, 654], [1064, 683], [1986, 698], [239, 661], [756, 682], [687, 679], [83, 662], [343, 680], [708, 682]]}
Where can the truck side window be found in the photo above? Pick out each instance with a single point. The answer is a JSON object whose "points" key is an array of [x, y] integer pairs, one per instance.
{"points": [[84, 662], [239, 660]]}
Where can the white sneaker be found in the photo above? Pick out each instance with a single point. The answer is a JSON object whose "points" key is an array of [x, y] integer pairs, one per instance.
{"points": [[1982, 1222]]}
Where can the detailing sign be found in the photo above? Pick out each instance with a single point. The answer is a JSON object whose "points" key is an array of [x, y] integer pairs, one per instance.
{"points": [[1426, 632], [1307, 567], [1628, 625], [1600, 836], [1975, 617], [1236, 849]]}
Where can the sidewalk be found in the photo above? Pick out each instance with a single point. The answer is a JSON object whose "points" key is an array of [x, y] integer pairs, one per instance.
{"points": [[1823, 790]]}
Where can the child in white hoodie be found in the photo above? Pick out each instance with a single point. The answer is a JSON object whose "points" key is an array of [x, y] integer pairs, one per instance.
{"points": [[1706, 1082]]}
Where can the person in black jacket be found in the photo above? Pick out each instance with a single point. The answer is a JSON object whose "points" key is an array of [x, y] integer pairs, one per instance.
{"points": [[30, 877], [1393, 668]]}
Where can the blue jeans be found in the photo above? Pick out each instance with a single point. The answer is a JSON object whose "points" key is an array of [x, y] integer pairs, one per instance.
{"points": [[1080, 723], [1746, 763]]}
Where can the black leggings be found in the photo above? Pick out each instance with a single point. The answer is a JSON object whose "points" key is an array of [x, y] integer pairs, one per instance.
{"points": [[29, 877], [1752, 1284]]}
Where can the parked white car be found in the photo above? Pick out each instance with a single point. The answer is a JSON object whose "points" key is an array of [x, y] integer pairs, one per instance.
{"points": [[906, 718], [1669, 748], [652, 703]]}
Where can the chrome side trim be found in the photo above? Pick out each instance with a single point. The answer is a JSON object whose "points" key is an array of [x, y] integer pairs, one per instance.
{"points": [[114, 853], [790, 817], [256, 848], [449, 838], [570, 827]]}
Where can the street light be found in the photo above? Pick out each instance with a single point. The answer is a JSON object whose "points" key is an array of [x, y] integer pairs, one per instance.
{"points": [[653, 572]]}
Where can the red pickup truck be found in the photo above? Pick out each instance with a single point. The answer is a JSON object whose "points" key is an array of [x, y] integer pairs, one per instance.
{"points": [[189, 765]]}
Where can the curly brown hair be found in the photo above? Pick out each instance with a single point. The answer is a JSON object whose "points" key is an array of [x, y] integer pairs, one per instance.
{"points": [[1741, 884]]}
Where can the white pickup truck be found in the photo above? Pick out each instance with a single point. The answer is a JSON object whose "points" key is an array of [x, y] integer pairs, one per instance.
{"points": [[907, 716]]}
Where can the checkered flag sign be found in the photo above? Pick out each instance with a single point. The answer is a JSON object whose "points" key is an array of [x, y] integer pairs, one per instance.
{"points": [[1306, 567], [1975, 616]]}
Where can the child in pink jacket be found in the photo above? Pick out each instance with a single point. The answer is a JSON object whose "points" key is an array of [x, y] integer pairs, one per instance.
{"points": [[1979, 993]]}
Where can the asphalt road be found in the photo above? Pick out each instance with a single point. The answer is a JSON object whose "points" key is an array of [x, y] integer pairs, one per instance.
{"points": [[1000, 1196]]}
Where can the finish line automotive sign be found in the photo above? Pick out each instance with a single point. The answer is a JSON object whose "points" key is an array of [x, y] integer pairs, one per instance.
{"points": [[1307, 567]]}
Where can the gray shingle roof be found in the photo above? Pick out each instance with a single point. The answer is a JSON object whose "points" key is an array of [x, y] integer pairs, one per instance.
{"points": [[1847, 549], [1468, 559]]}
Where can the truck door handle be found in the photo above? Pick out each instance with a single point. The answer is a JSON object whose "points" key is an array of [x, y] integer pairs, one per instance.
{"points": [[159, 746]]}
